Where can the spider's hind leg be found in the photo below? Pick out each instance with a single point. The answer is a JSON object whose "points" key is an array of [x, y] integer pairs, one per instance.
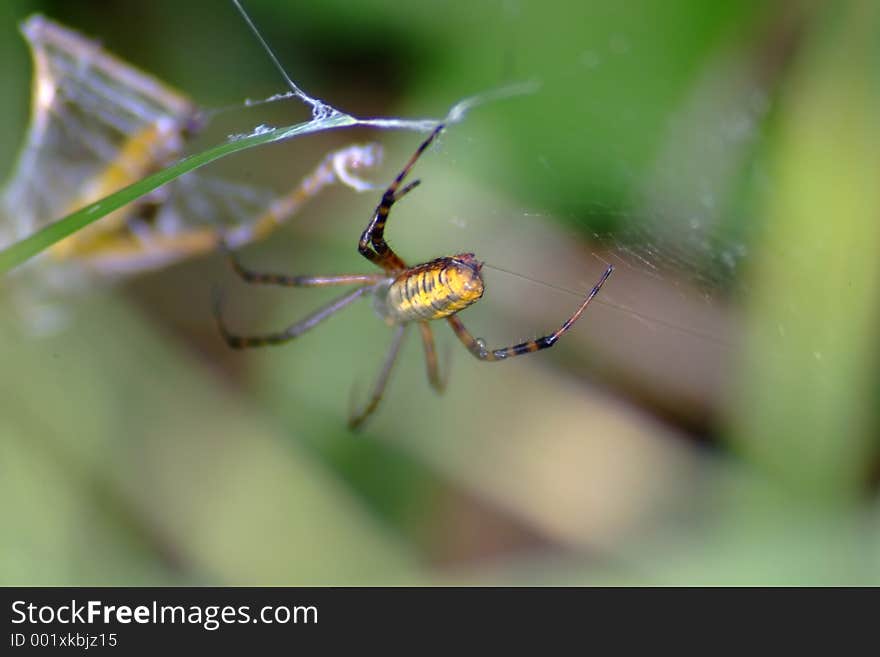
{"points": [[357, 419], [438, 383]]}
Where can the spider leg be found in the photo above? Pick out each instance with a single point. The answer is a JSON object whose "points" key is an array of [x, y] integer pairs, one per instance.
{"points": [[406, 190], [372, 244], [479, 349], [357, 419], [293, 331], [434, 377], [261, 278]]}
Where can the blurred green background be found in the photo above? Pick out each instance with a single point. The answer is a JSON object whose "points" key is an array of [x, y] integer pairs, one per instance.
{"points": [[711, 421]]}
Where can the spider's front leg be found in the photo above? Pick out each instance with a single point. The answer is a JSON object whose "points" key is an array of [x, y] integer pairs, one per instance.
{"points": [[372, 244], [479, 349]]}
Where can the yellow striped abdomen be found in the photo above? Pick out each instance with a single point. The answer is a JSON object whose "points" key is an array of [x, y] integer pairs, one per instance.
{"points": [[434, 290]]}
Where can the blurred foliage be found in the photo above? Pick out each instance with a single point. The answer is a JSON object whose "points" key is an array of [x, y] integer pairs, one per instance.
{"points": [[136, 450]]}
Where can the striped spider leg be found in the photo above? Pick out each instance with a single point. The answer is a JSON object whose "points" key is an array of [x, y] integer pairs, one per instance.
{"points": [[403, 295], [480, 351], [366, 283]]}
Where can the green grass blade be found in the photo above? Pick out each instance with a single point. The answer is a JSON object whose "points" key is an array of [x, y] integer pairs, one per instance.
{"points": [[21, 251]]}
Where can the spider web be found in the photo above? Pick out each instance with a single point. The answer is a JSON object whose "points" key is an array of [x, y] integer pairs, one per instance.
{"points": [[668, 232]]}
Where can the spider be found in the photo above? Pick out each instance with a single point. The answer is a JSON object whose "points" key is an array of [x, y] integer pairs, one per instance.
{"points": [[437, 289]]}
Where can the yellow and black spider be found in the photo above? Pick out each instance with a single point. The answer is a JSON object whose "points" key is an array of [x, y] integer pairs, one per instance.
{"points": [[438, 289]]}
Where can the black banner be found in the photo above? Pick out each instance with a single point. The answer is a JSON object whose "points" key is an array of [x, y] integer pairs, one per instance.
{"points": [[124, 619], [129, 620]]}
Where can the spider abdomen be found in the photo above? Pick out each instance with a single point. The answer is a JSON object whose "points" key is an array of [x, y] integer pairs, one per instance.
{"points": [[434, 290]]}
